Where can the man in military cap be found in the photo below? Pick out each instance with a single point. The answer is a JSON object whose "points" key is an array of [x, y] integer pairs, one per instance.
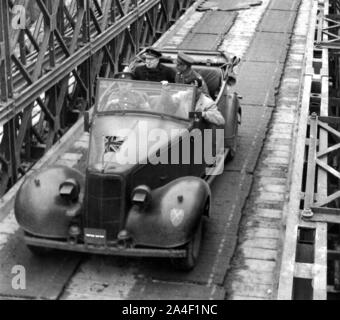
{"points": [[153, 70], [206, 105], [185, 74], [203, 103]]}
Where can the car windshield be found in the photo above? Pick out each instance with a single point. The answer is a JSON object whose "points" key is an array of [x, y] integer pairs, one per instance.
{"points": [[116, 95]]}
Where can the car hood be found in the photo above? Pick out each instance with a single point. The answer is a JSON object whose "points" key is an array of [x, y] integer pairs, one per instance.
{"points": [[121, 142]]}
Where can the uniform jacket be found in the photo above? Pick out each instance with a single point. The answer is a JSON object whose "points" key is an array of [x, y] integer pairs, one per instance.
{"points": [[189, 76], [158, 74], [209, 109], [204, 104]]}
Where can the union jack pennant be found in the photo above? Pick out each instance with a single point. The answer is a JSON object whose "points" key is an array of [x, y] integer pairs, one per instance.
{"points": [[113, 143]]}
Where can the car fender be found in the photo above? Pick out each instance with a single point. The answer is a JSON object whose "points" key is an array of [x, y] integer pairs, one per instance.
{"points": [[173, 215], [39, 208]]}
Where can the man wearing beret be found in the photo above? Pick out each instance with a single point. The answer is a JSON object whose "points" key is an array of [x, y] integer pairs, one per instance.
{"points": [[153, 70], [185, 74]]}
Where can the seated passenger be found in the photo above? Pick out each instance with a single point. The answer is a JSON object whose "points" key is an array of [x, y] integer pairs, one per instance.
{"points": [[177, 103], [185, 74], [153, 70]]}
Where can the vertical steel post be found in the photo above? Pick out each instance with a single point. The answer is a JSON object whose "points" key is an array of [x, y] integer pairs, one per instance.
{"points": [[6, 86], [86, 67], [3, 78]]}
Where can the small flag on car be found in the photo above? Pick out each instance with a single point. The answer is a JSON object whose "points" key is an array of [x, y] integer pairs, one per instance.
{"points": [[113, 143]]}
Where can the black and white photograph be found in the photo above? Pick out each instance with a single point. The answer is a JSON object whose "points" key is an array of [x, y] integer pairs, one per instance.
{"points": [[169, 156]]}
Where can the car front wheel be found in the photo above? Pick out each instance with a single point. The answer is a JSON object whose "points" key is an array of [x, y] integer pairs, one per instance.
{"points": [[192, 249], [233, 147]]}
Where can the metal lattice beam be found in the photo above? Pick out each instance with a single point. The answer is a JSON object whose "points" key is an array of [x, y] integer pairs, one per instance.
{"points": [[325, 209], [49, 64], [328, 31]]}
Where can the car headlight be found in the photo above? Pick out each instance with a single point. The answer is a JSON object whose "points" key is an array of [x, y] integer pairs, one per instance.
{"points": [[141, 196], [70, 189]]}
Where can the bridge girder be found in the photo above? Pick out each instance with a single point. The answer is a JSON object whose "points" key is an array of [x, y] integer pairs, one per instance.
{"points": [[51, 52]]}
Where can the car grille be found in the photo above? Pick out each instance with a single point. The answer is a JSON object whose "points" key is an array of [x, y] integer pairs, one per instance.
{"points": [[104, 208]]}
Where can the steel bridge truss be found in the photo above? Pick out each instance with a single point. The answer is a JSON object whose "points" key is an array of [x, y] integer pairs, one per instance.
{"points": [[321, 201], [323, 208], [51, 52], [311, 257], [328, 26]]}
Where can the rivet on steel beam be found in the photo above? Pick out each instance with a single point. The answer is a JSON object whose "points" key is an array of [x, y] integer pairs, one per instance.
{"points": [[307, 213]]}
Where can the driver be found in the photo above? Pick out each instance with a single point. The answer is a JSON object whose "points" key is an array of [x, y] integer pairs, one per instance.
{"points": [[127, 98], [153, 70]]}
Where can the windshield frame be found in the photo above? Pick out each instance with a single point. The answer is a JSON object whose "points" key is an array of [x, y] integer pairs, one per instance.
{"points": [[144, 112]]}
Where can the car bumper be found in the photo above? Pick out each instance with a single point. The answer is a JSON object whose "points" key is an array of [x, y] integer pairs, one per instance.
{"points": [[113, 250]]}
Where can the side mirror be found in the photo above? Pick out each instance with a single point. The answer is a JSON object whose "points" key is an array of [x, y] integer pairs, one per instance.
{"points": [[87, 124]]}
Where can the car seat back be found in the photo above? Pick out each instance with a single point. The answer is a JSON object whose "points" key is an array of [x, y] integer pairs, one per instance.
{"points": [[212, 76]]}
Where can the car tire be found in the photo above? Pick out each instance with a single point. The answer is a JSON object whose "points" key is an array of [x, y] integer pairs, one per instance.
{"points": [[193, 249], [233, 148], [231, 126]]}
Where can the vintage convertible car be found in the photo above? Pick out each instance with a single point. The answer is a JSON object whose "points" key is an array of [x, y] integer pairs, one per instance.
{"points": [[146, 187]]}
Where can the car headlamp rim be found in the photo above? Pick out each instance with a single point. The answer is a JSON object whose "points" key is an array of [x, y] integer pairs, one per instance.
{"points": [[70, 189], [141, 195]]}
